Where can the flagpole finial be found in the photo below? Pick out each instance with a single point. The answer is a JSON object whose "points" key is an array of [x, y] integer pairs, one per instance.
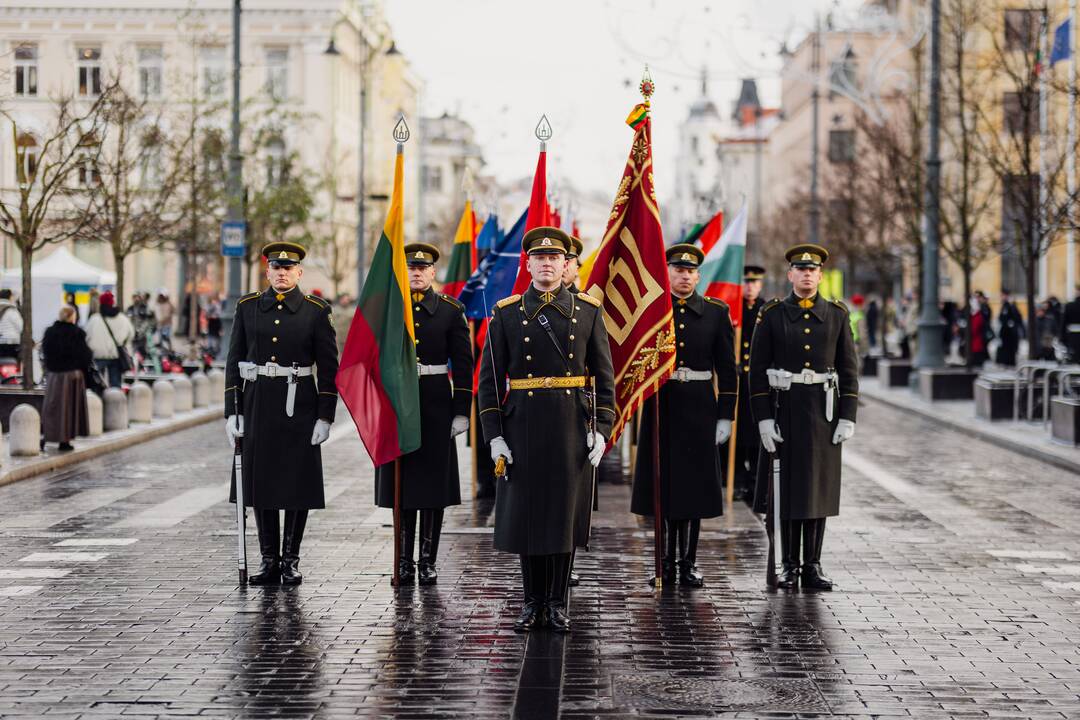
{"points": [[543, 132], [467, 183], [401, 133], [647, 86]]}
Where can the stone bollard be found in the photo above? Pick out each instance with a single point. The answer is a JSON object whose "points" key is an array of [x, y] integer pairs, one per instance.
{"points": [[116, 410], [95, 414], [140, 402], [184, 398], [25, 436], [200, 389], [164, 398], [217, 386]]}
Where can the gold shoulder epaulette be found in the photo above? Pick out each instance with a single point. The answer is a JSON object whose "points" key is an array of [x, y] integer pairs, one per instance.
{"points": [[840, 304], [321, 302], [249, 296], [716, 301], [507, 301], [589, 299], [766, 308], [453, 301]]}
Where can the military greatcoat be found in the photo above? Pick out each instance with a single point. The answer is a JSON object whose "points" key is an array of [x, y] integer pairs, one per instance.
{"points": [[795, 338], [429, 475], [543, 507], [691, 473], [282, 469]]}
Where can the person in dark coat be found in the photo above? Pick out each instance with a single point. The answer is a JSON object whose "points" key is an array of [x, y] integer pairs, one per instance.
{"points": [[978, 315], [747, 444], [1068, 326], [573, 265], [873, 320], [1010, 330], [429, 475], [695, 417], [66, 358], [280, 398], [553, 347], [810, 338]]}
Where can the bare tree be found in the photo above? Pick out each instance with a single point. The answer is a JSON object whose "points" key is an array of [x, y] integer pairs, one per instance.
{"points": [[56, 177], [333, 251]]}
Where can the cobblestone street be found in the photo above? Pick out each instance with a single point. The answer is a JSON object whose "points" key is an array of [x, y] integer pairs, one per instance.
{"points": [[957, 567]]}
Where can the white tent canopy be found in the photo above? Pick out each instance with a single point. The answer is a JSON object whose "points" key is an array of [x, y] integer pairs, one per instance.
{"points": [[53, 276]]}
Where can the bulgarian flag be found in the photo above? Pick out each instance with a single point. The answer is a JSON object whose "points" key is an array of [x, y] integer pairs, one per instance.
{"points": [[377, 376], [722, 271], [539, 216], [705, 236], [462, 255]]}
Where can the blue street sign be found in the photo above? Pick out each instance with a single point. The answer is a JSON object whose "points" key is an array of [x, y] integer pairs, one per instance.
{"points": [[233, 237]]}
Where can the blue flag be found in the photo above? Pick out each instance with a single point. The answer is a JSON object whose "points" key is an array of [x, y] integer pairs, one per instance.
{"points": [[1062, 49], [494, 277], [490, 234]]}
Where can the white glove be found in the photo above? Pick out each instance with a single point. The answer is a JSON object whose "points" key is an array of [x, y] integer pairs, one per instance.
{"points": [[499, 447], [779, 379], [770, 435], [723, 431], [845, 430], [320, 433], [458, 425], [234, 428], [599, 444]]}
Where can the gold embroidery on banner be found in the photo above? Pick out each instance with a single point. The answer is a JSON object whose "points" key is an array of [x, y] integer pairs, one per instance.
{"points": [[640, 150], [648, 358], [638, 281]]}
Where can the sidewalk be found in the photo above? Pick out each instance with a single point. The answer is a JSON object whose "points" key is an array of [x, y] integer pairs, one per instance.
{"points": [[1028, 438], [13, 469]]}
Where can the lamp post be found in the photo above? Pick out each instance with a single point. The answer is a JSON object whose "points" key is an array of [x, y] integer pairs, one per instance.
{"points": [[235, 187]]}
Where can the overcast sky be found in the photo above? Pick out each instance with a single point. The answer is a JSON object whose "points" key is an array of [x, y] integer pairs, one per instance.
{"points": [[500, 64]]}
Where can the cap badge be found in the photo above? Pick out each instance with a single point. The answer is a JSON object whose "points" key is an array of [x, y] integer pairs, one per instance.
{"points": [[546, 242], [283, 255], [686, 256], [419, 255], [806, 256]]}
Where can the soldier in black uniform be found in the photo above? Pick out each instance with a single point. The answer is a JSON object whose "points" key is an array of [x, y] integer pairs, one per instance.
{"points": [[573, 265], [803, 351], [1070, 328], [552, 346], [694, 419], [280, 398], [429, 475], [747, 442]]}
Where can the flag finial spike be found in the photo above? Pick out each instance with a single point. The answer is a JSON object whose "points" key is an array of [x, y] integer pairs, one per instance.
{"points": [[467, 183], [401, 132], [543, 131], [647, 86]]}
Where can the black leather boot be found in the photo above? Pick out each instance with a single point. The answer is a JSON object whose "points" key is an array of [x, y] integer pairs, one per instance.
{"points": [[688, 540], [574, 579], [558, 593], [406, 566], [812, 575], [789, 547], [667, 560], [269, 572], [533, 606], [430, 530], [295, 521]]}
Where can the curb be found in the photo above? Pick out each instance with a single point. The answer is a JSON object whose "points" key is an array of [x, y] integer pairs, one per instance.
{"points": [[134, 435], [1000, 439]]}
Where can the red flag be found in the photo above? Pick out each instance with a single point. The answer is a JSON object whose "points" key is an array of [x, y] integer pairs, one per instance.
{"points": [[539, 216], [630, 276], [711, 232]]}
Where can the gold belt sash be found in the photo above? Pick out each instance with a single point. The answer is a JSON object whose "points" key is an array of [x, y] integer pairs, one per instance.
{"points": [[542, 383]]}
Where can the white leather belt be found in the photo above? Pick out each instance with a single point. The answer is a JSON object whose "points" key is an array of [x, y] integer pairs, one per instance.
{"points": [[1073, 327], [783, 379], [431, 369], [250, 372], [687, 375]]}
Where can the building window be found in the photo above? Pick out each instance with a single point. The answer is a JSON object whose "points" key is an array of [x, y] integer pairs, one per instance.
{"points": [[1021, 30], [89, 69], [841, 146], [213, 150], [213, 72], [275, 162], [26, 157], [277, 73], [26, 70], [151, 171], [1018, 200], [87, 172], [1017, 107], [151, 64], [431, 178]]}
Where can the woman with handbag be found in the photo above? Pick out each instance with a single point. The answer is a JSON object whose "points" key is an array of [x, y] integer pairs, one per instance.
{"points": [[65, 356], [108, 333]]}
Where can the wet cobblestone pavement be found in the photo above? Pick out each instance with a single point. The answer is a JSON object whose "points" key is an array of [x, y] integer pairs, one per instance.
{"points": [[957, 567]]}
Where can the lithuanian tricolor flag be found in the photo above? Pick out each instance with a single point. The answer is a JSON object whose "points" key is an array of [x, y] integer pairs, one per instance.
{"points": [[462, 255], [377, 373]]}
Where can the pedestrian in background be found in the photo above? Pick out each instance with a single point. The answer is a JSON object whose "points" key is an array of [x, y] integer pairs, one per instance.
{"points": [[65, 357], [109, 333], [1010, 330], [11, 324], [164, 311], [873, 318], [859, 329], [980, 332], [888, 326]]}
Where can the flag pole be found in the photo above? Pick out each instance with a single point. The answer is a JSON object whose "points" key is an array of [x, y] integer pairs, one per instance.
{"points": [[658, 515], [734, 425], [472, 415], [401, 135]]}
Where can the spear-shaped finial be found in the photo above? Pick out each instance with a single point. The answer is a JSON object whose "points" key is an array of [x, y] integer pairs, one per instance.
{"points": [[401, 133], [543, 131], [647, 87]]}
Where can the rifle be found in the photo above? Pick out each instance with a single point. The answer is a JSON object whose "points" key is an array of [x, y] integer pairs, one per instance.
{"points": [[500, 462], [241, 513]]}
